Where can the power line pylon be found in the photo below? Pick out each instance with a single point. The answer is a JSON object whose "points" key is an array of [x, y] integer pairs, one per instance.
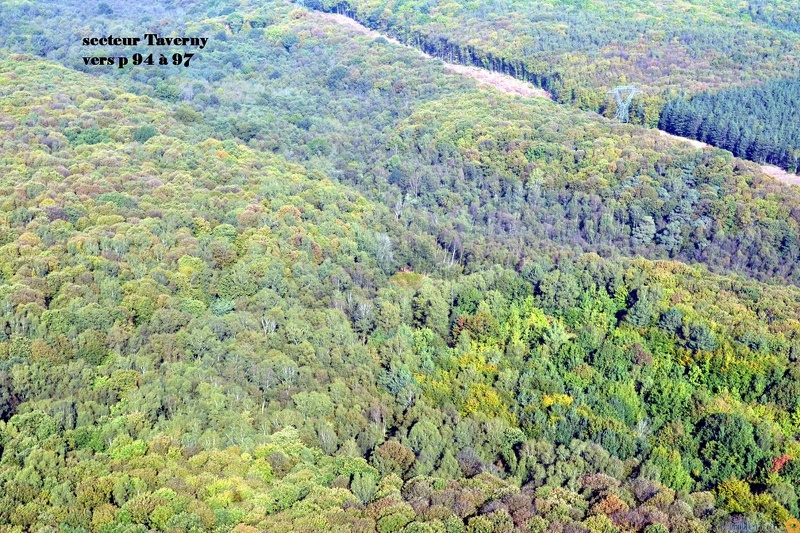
{"points": [[623, 103]]}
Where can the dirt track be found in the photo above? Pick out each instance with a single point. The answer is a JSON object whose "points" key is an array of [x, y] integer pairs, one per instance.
{"points": [[696, 144]]}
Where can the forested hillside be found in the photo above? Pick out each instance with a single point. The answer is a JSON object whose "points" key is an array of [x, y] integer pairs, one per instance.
{"points": [[163, 300], [317, 282], [578, 50], [490, 176]]}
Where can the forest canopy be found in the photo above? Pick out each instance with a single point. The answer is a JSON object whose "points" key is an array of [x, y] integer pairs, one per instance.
{"points": [[316, 281], [754, 122], [580, 51]]}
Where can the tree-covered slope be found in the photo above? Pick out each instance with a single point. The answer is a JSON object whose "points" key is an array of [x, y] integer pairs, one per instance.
{"points": [[580, 50], [506, 176], [577, 50], [200, 335], [316, 282]]}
